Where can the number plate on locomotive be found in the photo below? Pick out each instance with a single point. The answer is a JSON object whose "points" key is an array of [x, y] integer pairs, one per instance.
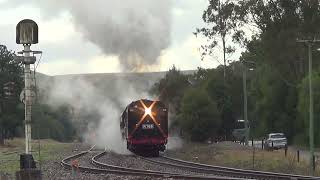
{"points": [[147, 126]]}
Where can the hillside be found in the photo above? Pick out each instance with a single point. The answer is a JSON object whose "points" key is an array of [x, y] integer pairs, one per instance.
{"points": [[110, 83]]}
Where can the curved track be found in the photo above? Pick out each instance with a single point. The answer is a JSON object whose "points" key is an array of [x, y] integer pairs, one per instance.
{"points": [[107, 169], [210, 171], [219, 170]]}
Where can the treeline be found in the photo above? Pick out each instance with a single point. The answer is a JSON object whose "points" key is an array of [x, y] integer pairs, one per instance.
{"points": [[207, 103], [47, 122]]}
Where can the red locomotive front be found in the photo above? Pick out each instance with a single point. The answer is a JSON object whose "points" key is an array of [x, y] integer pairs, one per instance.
{"points": [[144, 125]]}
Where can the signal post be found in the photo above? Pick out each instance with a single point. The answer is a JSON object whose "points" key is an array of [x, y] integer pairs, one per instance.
{"points": [[27, 34]]}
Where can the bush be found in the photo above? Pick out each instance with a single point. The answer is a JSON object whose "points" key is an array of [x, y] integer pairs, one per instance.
{"points": [[199, 116]]}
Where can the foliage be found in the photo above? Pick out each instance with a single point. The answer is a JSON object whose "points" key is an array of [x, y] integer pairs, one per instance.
{"points": [[281, 63], [11, 84], [303, 109], [171, 88], [46, 122], [51, 123], [281, 23], [273, 105], [223, 23], [226, 94], [199, 115], [277, 88]]}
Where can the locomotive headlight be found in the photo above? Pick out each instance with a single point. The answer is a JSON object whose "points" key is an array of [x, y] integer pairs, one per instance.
{"points": [[148, 111]]}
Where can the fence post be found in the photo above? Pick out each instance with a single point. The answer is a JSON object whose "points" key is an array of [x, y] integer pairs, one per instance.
{"points": [[314, 163], [253, 155], [285, 150], [298, 155]]}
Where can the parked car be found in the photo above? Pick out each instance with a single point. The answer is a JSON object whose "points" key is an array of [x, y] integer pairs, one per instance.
{"points": [[275, 141]]}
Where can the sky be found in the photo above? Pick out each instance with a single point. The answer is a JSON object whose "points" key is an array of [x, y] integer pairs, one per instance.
{"points": [[71, 41]]}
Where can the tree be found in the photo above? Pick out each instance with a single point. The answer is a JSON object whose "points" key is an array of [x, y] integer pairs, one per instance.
{"points": [[272, 103], [280, 23], [199, 116], [171, 88], [224, 23], [52, 123], [281, 61], [302, 133], [228, 97], [11, 84]]}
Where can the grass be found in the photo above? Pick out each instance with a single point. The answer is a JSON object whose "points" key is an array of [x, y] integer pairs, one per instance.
{"points": [[9, 153], [237, 156]]}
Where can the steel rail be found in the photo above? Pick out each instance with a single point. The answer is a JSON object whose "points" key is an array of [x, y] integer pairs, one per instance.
{"points": [[150, 172], [233, 172], [128, 171]]}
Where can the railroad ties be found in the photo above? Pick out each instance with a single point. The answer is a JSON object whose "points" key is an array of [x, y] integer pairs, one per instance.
{"points": [[200, 171]]}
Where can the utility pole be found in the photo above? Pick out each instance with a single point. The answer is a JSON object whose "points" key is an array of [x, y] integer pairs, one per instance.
{"points": [[311, 130], [245, 103], [245, 99]]}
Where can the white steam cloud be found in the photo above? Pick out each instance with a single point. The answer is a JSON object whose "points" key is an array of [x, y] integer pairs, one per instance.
{"points": [[102, 127], [134, 30]]}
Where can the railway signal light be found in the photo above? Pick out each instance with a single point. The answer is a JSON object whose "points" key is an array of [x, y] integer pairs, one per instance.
{"points": [[27, 32]]}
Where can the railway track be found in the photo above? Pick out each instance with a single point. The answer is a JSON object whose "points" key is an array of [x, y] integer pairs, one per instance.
{"points": [[211, 172], [219, 170], [103, 168]]}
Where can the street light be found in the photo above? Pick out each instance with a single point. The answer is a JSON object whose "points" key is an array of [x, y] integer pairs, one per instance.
{"points": [[245, 99]]}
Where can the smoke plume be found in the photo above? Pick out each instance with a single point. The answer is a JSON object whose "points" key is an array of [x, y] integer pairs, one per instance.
{"points": [[134, 30], [96, 106]]}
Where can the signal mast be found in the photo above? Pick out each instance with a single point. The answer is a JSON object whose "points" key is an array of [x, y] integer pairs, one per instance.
{"points": [[27, 34]]}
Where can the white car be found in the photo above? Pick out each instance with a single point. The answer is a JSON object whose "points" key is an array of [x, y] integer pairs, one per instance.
{"points": [[275, 141]]}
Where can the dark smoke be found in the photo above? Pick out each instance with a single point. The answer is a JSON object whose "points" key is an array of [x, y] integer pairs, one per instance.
{"points": [[134, 30]]}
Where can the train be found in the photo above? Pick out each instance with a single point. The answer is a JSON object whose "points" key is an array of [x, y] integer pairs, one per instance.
{"points": [[144, 126]]}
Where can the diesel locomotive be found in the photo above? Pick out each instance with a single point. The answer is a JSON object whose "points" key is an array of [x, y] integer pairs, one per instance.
{"points": [[144, 126]]}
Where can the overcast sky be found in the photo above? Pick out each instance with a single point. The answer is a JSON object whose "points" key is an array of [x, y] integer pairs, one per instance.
{"points": [[71, 48]]}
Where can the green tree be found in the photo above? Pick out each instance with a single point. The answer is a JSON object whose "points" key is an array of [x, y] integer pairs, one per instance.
{"points": [[279, 24], [199, 116], [228, 96], [281, 61], [11, 84], [272, 110], [224, 26], [171, 89], [52, 123], [302, 133]]}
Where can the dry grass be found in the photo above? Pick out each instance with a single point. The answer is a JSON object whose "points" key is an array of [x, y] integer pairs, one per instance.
{"points": [[9, 153], [237, 156]]}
